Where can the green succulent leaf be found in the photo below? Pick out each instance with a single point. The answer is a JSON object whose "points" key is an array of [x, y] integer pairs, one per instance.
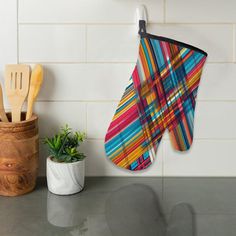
{"points": [[63, 146]]}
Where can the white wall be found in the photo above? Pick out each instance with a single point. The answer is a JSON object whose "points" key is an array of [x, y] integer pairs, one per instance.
{"points": [[88, 49]]}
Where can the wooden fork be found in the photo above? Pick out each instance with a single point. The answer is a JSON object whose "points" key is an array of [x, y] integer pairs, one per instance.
{"points": [[17, 86]]}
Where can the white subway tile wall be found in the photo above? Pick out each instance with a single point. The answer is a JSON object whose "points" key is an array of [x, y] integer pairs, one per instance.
{"points": [[112, 43], [87, 11], [89, 49], [8, 34], [99, 116], [205, 158], [192, 11], [216, 40], [55, 114], [52, 43], [68, 77], [218, 82]]}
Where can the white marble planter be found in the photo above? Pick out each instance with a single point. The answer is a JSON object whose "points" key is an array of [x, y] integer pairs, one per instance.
{"points": [[65, 178]]}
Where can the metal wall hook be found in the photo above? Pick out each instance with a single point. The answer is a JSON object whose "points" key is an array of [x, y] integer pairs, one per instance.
{"points": [[141, 14]]}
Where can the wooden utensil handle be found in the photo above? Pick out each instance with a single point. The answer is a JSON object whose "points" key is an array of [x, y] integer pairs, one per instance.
{"points": [[29, 112], [16, 114], [29, 108], [3, 116]]}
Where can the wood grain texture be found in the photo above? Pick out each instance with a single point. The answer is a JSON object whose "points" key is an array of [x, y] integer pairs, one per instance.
{"points": [[19, 152]]}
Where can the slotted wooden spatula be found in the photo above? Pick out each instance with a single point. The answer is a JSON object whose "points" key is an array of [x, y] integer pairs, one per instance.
{"points": [[17, 87], [35, 85], [2, 111]]}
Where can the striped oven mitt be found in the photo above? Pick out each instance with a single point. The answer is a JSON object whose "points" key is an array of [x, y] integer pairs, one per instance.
{"points": [[161, 94]]}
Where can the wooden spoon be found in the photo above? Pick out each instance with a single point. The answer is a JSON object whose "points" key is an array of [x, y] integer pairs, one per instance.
{"points": [[35, 85], [17, 87], [2, 111]]}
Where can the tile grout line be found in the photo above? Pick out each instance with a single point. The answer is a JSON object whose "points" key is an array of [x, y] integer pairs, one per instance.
{"points": [[86, 43], [86, 120], [234, 59], [104, 62], [115, 101], [164, 11], [17, 31], [168, 140], [79, 101], [78, 62], [126, 23], [110, 101], [194, 176]]}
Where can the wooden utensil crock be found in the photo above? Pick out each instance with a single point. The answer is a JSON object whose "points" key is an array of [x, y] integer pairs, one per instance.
{"points": [[19, 154]]}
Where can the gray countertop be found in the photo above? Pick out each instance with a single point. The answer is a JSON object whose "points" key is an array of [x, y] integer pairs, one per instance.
{"points": [[125, 206]]}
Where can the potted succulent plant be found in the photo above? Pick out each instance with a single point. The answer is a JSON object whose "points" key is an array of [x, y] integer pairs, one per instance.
{"points": [[65, 165]]}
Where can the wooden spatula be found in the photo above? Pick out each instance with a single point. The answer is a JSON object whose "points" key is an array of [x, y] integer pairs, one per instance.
{"points": [[2, 111], [35, 85], [17, 87]]}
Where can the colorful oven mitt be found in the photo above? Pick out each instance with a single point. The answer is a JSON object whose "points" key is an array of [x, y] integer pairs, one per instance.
{"points": [[161, 95]]}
